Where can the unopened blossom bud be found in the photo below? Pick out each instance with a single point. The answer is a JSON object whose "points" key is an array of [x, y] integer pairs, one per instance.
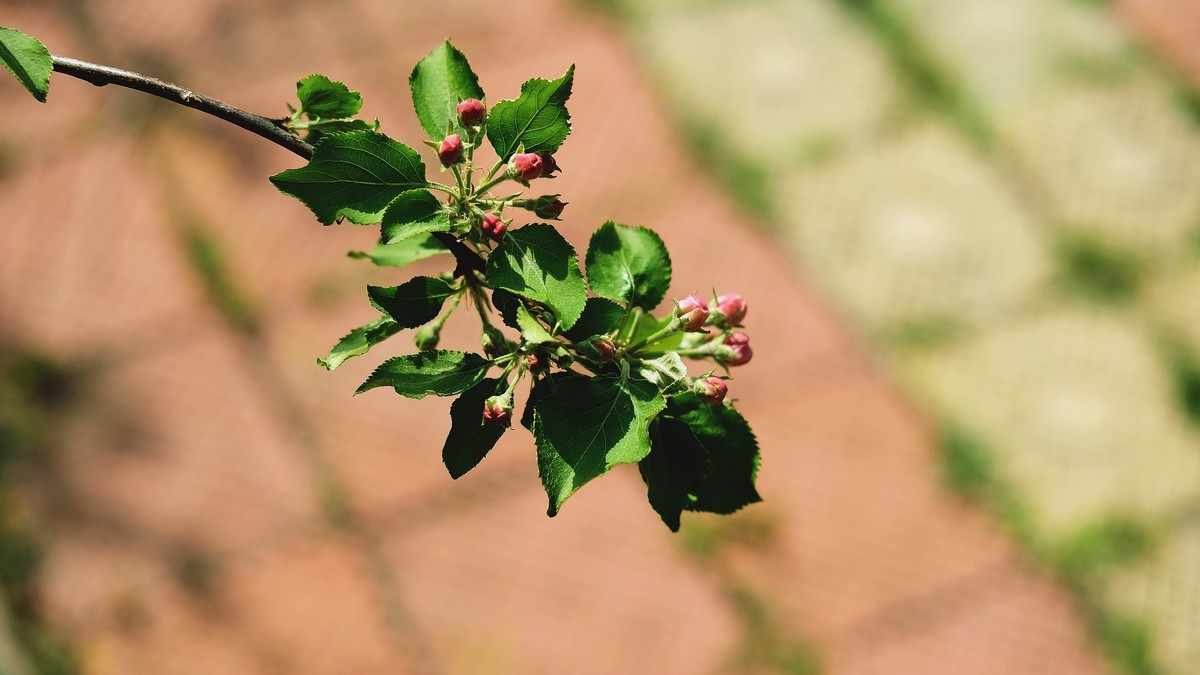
{"points": [[451, 150], [525, 166], [693, 312], [605, 347], [711, 389], [492, 227], [471, 112], [549, 166], [549, 207], [536, 362], [739, 344], [497, 410], [427, 337], [733, 306]]}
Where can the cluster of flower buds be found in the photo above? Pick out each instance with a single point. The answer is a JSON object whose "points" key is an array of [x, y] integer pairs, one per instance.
{"points": [[493, 228], [549, 207], [737, 350], [692, 313], [451, 150], [710, 389], [536, 363], [472, 112], [497, 410], [526, 166], [730, 310]]}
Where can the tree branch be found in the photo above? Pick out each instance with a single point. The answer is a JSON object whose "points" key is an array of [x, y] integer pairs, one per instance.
{"points": [[104, 75]]}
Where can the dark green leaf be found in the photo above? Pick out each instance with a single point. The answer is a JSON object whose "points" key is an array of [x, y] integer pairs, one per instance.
{"points": [[413, 303], [438, 372], [471, 437], [629, 265], [323, 97], [732, 452], [28, 60], [318, 130], [600, 316], [354, 175], [359, 340], [414, 212], [439, 82], [674, 470], [507, 303], [544, 386], [537, 263], [403, 252], [537, 119], [588, 426]]}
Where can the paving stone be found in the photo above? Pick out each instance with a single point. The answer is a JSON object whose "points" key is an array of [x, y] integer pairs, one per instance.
{"points": [[1164, 593], [1118, 162], [1077, 408], [492, 591], [180, 446], [1004, 57], [760, 72], [916, 230]]}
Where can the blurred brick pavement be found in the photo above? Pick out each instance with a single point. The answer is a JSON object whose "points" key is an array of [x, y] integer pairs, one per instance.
{"points": [[222, 505]]}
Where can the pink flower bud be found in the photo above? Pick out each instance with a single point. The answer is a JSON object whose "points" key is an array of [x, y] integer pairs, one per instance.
{"points": [[549, 166], [497, 410], [493, 227], [536, 362], [451, 150], [471, 112], [740, 344], [711, 389], [733, 306], [525, 166], [693, 311], [606, 348]]}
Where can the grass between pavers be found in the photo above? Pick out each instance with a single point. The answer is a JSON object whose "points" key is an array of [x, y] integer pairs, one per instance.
{"points": [[915, 65], [1098, 271], [36, 391], [1080, 561]]}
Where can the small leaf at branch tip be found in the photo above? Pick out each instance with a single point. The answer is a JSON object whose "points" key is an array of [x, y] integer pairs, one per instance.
{"points": [[28, 60]]}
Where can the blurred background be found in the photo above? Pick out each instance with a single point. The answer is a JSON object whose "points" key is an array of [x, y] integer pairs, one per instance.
{"points": [[969, 232]]}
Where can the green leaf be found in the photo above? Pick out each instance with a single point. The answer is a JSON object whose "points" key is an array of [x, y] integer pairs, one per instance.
{"points": [[542, 387], [354, 175], [674, 469], [629, 265], [320, 129], [325, 98], [28, 60], [537, 263], [359, 340], [588, 426], [732, 453], [666, 372], [413, 303], [403, 252], [646, 325], [600, 316], [439, 82], [414, 212], [533, 332], [507, 303], [537, 119], [437, 372], [471, 437]]}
